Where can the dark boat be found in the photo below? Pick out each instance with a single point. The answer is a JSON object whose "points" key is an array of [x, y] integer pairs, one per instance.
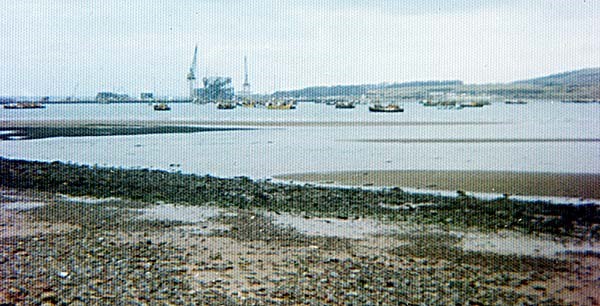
{"points": [[344, 105], [390, 108], [161, 107], [515, 102], [24, 105], [226, 105]]}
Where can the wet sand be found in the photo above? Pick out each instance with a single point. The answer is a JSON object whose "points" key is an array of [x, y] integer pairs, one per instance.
{"points": [[23, 132], [270, 123], [513, 183]]}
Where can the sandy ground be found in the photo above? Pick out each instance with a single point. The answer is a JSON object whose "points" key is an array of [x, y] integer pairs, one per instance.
{"points": [[512, 183]]}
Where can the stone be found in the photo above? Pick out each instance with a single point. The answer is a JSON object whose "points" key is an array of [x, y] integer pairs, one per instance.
{"points": [[49, 296]]}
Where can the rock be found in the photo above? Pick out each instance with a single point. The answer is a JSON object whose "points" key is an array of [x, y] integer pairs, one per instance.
{"points": [[352, 294], [50, 297], [539, 287]]}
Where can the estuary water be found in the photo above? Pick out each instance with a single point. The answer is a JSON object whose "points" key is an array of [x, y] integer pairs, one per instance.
{"points": [[538, 137]]}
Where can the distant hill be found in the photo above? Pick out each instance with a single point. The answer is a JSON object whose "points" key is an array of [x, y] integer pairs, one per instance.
{"points": [[357, 90], [572, 85], [324, 91], [425, 83], [583, 77]]}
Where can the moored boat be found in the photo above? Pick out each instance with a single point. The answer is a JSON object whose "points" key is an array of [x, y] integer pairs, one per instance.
{"points": [[225, 105], [472, 104], [429, 103], [161, 107], [24, 105], [280, 105], [515, 102], [248, 104], [390, 108]]}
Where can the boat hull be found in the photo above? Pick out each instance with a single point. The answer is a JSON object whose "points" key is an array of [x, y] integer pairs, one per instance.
{"points": [[385, 110], [162, 107], [225, 106]]}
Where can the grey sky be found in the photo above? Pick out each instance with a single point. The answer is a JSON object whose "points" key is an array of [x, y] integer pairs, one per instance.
{"points": [[48, 47]]}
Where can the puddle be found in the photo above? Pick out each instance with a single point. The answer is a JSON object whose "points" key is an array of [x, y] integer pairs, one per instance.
{"points": [[187, 214], [330, 227], [508, 243], [88, 200], [22, 205], [406, 206]]}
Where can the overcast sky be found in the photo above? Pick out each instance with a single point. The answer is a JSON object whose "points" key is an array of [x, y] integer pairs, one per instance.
{"points": [[54, 47]]}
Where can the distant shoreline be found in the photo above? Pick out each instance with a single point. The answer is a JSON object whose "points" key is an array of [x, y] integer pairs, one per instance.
{"points": [[500, 182]]}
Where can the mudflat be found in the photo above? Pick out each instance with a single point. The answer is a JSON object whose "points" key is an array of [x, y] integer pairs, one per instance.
{"points": [[261, 123], [502, 182]]}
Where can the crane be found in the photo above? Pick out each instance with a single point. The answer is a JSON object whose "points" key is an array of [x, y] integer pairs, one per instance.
{"points": [[246, 84], [191, 77]]}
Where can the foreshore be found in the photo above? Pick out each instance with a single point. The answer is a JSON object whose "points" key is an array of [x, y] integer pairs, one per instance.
{"points": [[79, 235], [40, 130], [229, 123], [584, 186]]}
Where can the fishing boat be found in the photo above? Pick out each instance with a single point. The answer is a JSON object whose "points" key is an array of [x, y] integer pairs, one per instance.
{"points": [[449, 104], [161, 107], [248, 104], [390, 108], [280, 105], [24, 105], [472, 104], [429, 103]]}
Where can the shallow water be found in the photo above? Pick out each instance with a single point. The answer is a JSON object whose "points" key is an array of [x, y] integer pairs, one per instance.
{"points": [[270, 151], [541, 112], [186, 214]]}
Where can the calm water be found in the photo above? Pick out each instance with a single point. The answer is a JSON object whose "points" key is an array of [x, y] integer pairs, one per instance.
{"points": [[542, 112], [270, 151]]}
